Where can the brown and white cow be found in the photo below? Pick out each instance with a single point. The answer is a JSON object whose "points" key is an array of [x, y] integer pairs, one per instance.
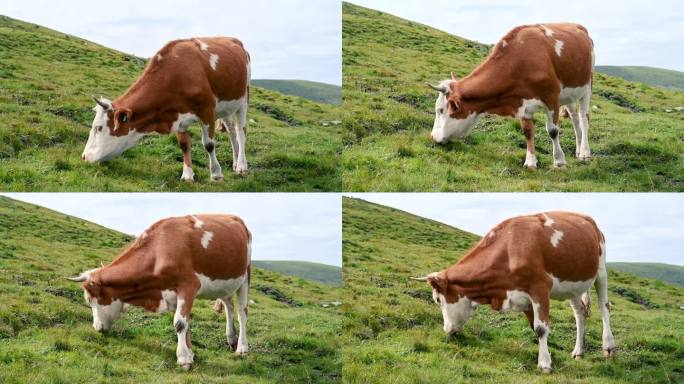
{"points": [[520, 265], [169, 265], [187, 81], [534, 66]]}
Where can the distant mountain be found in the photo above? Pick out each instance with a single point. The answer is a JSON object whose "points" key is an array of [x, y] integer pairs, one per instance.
{"points": [[323, 273], [314, 91], [673, 274], [657, 77]]}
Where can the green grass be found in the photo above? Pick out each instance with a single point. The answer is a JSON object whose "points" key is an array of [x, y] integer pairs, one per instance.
{"points": [[392, 331], [46, 334], [46, 80], [673, 274], [389, 112], [312, 90], [657, 77], [328, 274]]}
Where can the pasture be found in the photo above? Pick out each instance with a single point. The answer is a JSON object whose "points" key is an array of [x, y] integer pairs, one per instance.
{"points": [[46, 333], [392, 330], [389, 112]]}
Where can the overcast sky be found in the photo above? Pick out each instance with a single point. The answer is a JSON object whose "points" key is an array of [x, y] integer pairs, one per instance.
{"points": [[639, 227], [291, 39], [624, 32], [285, 226]]}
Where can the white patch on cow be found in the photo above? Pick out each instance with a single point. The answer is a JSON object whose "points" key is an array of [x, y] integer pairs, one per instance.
{"points": [[558, 47], [198, 223], [445, 127], [455, 314], [504, 43], [556, 237], [227, 108], [528, 108], [544, 359], [213, 60], [168, 301], [188, 173], [547, 30], [548, 221], [183, 121], [563, 290], [184, 354], [202, 44], [218, 288], [143, 235], [206, 238], [572, 95], [102, 145], [104, 316], [491, 234], [530, 160], [516, 301], [159, 57]]}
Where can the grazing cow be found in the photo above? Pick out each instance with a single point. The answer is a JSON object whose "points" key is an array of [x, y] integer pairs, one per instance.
{"points": [[187, 81], [521, 264], [172, 263], [533, 66]]}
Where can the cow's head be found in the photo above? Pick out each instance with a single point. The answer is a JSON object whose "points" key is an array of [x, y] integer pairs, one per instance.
{"points": [[456, 309], [452, 119], [106, 310], [111, 133]]}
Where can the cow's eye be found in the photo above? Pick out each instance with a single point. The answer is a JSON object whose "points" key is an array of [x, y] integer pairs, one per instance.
{"points": [[123, 118], [99, 128], [441, 111]]}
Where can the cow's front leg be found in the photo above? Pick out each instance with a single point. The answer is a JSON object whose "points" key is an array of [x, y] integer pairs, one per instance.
{"points": [[181, 322], [541, 328], [552, 119], [185, 146], [208, 134], [580, 316], [528, 129]]}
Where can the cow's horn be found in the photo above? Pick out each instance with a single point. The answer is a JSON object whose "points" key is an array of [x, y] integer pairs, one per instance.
{"points": [[79, 278], [106, 106], [453, 77], [439, 89], [420, 278]]}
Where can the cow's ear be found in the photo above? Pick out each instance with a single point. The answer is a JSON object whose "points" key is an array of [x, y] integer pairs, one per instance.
{"points": [[122, 116], [437, 283], [453, 106]]}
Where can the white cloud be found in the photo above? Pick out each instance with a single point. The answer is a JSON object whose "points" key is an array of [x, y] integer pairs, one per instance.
{"points": [[644, 227], [624, 33], [293, 39], [285, 226]]}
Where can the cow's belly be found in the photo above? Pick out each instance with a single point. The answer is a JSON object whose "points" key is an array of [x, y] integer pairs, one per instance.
{"points": [[571, 95], [218, 289], [563, 290]]}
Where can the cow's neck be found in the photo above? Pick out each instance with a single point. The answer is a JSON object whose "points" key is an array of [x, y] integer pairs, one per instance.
{"points": [[130, 278], [489, 89], [480, 275], [145, 98]]}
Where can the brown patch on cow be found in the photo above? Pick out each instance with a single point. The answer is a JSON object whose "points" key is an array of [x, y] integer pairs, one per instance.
{"points": [[528, 67]]}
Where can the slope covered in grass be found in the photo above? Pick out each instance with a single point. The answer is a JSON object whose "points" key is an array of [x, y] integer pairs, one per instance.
{"points": [[46, 332], [392, 329], [389, 113], [673, 274], [312, 90], [323, 273], [46, 82], [657, 77]]}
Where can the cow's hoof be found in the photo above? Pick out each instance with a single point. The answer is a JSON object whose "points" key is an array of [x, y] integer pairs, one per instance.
{"points": [[546, 370], [216, 177], [610, 352], [560, 164], [530, 166], [242, 171], [188, 179], [186, 366], [577, 356], [241, 350], [233, 345]]}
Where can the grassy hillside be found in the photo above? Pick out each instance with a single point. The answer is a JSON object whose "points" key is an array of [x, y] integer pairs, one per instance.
{"points": [[392, 330], [673, 274], [312, 90], [389, 112], [46, 80], [46, 332], [328, 274], [657, 77]]}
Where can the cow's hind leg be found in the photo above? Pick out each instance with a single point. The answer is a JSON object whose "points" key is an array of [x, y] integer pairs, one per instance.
{"points": [[580, 316], [181, 323], [584, 151], [601, 285], [231, 335], [208, 135], [528, 129], [552, 118], [241, 133], [229, 126], [242, 302], [576, 125], [185, 146]]}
